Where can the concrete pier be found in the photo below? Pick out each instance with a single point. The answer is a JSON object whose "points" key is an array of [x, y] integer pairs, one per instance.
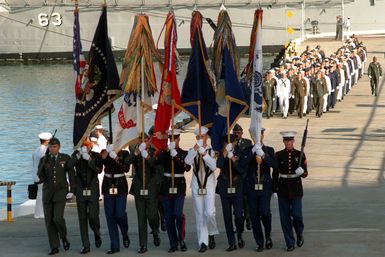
{"points": [[344, 202]]}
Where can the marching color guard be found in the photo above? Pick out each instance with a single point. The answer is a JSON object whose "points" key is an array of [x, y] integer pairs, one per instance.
{"points": [[173, 192], [201, 157], [287, 181]]}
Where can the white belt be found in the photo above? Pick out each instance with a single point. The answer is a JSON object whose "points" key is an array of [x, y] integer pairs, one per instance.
{"points": [[288, 175], [175, 175], [115, 175]]}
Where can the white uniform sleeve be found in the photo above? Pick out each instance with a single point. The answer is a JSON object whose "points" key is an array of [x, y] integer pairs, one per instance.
{"points": [[102, 142], [210, 161], [189, 159]]}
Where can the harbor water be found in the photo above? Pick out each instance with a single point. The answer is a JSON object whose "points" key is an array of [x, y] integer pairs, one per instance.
{"points": [[36, 98]]}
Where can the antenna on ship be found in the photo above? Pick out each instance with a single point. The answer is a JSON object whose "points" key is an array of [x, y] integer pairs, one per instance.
{"points": [[222, 8], [195, 6]]}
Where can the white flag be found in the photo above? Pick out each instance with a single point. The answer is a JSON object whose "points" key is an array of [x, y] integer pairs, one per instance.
{"points": [[256, 99], [128, 127]]}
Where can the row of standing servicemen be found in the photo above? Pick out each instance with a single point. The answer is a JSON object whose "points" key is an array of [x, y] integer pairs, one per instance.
{"points": [[313, 81], [153, 179]]}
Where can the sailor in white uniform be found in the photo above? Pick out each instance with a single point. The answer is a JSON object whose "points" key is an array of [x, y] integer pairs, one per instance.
{"points": [[36, 156], [283, 93], [102, 143], [202, 158]]}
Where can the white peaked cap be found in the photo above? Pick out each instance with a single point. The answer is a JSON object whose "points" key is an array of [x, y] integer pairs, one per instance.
{"points": [[288, 134], [204, 130], [93, 139], [98, 127], [45, 136]]}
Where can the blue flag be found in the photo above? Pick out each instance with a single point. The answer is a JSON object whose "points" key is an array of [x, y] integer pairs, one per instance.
{"points": [[100, 84], [198, 86], [230, 102]]}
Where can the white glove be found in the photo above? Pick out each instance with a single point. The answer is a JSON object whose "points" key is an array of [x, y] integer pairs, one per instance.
{"points": [[229, 147], [171, 146], [200, 142], [36, 179], [142, 147], [69, 196], [112, 154], [260, 152], [274, 195], [299, 171], [230, 155], [84, 149], [173, 152], [85, 156], [380, 77], [292, 96], [311, 95], [370, 76], [201, 150], [109, 148], [78, 155], [144, 154], [273, 98], [256, 147]]}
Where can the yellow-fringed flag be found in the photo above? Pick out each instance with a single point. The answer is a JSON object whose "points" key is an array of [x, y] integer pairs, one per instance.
{"points": [[138, 82]]}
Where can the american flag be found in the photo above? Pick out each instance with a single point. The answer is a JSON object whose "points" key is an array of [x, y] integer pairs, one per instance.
{"points": [[79, 61]]}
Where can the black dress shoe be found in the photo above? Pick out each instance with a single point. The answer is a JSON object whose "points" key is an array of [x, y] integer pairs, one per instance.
{"points": [[112, 251], [259, 248], [269, 243], [203, 248], [300, 241], [241, 242], [126, 241], [53, 251], [66, 244], [98, 241], [173, 249], [183, 246], [231, 248], [290, 248], [211, 242], [142, 249], [85, 250], [156, 239]]}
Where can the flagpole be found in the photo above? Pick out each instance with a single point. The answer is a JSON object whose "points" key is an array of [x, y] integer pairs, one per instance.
{"points": [[200, 133], [142, 114], [110, 120], [228, 140], [172, 140]]}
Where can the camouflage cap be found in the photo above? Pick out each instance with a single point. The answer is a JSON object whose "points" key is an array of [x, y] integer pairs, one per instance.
{"points": [[54, 141], [237, 128]]}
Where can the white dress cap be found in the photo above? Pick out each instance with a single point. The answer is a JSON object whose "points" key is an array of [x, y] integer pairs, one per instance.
{"points": [[98, 127], [45, 136], [204, 130], [288, 134]]}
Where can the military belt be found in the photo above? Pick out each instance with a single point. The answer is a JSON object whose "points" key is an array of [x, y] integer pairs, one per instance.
{"points": [[175, 175], [288, 175], [114, 175]]}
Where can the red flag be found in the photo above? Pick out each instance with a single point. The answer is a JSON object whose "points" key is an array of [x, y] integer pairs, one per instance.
{"points": [[169, 90]]}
